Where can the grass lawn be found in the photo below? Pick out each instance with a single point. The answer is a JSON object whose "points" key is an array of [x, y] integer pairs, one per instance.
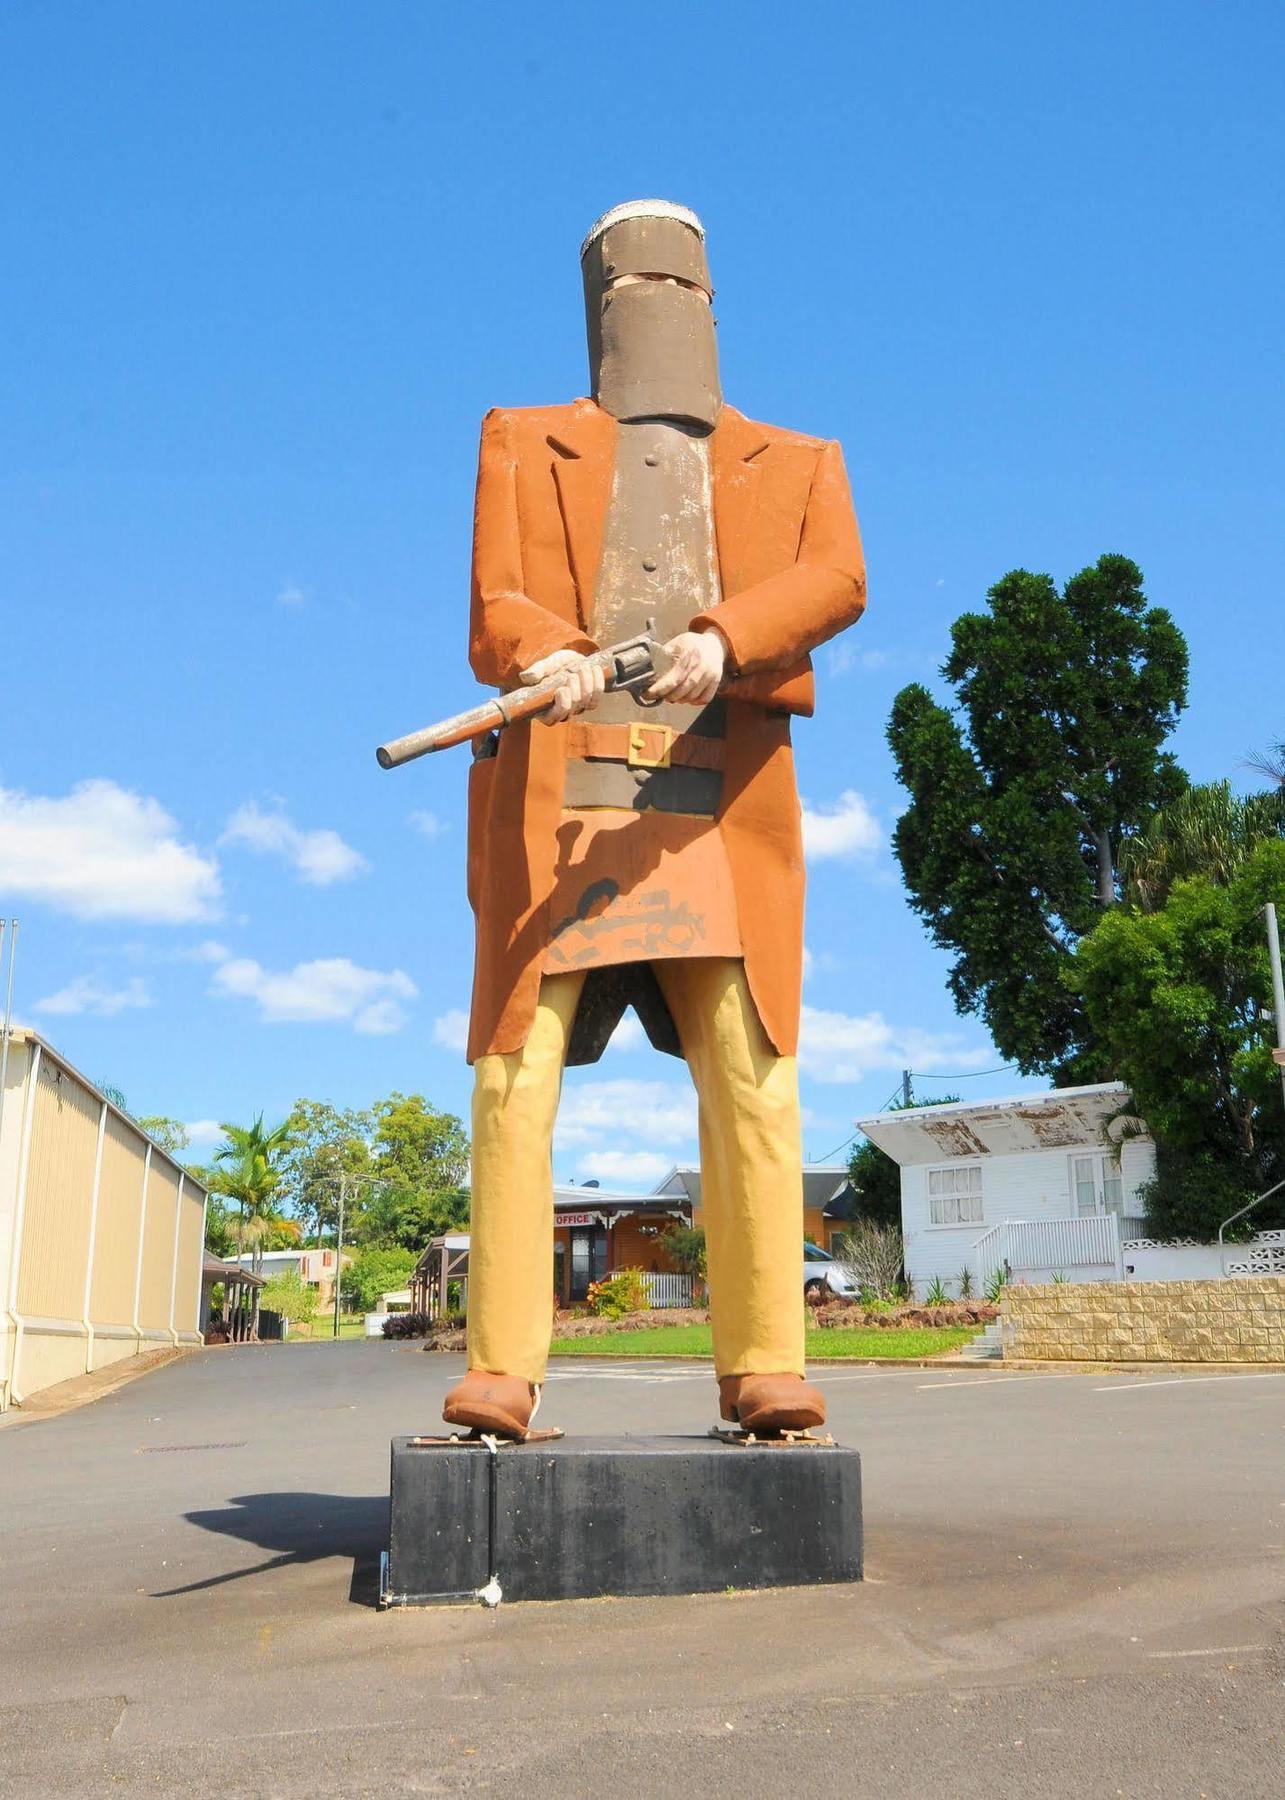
{"points": [[694, 1340], [323, 1330]]}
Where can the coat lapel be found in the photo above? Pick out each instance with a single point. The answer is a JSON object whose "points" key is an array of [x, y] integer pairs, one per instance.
{"points": [[584, 454], [738, 447]]}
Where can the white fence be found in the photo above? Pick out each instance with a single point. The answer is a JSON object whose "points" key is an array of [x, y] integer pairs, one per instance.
{"points": [[1047, 1247], [668, 1290]]}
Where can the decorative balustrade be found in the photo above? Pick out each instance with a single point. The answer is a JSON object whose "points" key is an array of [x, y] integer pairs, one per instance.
{"points": [[1052, 1246]]}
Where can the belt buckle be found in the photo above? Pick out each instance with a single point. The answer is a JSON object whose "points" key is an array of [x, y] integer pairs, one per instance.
{"points": [[639, 756]]}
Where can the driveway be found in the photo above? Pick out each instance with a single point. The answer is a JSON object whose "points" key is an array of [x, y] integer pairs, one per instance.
{"points": [[1076, 1586]]}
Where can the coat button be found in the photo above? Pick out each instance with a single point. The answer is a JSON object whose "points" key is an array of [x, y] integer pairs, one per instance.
{"points": [[651, 459], [649, 563]]}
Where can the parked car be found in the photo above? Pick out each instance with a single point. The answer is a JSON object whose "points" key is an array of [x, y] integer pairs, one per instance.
{"points": [[821, 1272]]}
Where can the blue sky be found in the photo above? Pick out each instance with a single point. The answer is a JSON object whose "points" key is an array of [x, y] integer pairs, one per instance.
{"points": [[266, 266]]}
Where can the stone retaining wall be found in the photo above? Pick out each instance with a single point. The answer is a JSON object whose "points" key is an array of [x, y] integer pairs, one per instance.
{"points": [[1239, 1319]]}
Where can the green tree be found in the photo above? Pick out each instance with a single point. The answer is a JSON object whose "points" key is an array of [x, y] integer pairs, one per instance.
{"points": [[220, 1227], [1019, 801], [1179, 1000], [1207, 831], [687, 1249], [290, 1296], [421, 1158], [373, 1272], [170, 1134], [248, 1165], [876, 1178], [325, 1143]]}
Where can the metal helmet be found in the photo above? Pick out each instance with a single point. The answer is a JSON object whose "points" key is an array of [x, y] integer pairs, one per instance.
{"points": [[652, 349]]}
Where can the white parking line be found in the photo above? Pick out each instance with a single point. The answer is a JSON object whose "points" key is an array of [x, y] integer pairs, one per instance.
{"points": [[1222, 1650], [1147, 1382], [975, 1381]]}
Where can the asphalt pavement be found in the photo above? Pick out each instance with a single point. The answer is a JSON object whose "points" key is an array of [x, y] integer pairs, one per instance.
{"points": [[1076, 1586]]}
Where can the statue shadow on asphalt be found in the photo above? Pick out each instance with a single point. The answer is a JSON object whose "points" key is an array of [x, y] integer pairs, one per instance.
{"points": [[300, 1529]]}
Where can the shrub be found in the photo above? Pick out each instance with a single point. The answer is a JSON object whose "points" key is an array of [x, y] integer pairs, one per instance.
{"points": [[624, 1292], [996, 1285], [872, 1257], [418, 1324], [965, 1283], [686, 1246], [287, 1295], [375, 1272], [936, 1295]]}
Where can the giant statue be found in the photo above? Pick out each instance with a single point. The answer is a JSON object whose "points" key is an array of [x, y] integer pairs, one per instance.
{"points": [[641, 846]]}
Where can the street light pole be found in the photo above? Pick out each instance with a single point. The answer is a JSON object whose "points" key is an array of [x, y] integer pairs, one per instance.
{"points": [[1278, 988], [339, 1252]]}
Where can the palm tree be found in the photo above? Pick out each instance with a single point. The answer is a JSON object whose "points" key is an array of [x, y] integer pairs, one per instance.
{"points": [[250, 1157], [1207, 831], [1271, 763]]}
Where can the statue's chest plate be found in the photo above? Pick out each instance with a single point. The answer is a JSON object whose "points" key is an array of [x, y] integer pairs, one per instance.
{"points": [[660, 563]]}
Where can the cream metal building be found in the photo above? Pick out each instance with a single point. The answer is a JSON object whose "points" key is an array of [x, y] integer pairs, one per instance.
{"points": [[101, 1231]]}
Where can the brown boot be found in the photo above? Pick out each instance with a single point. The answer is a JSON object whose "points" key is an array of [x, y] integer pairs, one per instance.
{"points": [[763, 1403], [502, 1404]]}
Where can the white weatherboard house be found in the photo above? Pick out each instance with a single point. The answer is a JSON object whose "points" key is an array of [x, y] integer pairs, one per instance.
{"points": [[1034, 1186]]}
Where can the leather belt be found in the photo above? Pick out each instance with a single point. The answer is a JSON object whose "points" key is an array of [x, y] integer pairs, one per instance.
{"points": [[643, 746]]}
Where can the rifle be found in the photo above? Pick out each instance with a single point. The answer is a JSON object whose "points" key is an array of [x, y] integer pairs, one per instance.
{"points": [[627, 666]]}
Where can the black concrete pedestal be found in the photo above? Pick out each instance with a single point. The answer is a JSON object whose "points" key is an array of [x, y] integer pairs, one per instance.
{"points": [[618, 1515]]}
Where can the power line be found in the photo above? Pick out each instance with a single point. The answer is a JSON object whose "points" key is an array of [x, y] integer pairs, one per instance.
{"points": [[971, 1075]]}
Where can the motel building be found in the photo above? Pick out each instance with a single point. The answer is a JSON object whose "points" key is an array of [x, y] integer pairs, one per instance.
{"points": [[597, 1233]]}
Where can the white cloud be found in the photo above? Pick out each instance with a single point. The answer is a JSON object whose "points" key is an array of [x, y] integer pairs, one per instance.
{"points": [[835, 1046], [451, 1030], [292, 595], [86, 994], [102, 852], [632, 1166], [844, 656], [320, 857], [203, 1132], [332, 990], [845, 828], [427, 824], [208, 952], [597, 1112]]}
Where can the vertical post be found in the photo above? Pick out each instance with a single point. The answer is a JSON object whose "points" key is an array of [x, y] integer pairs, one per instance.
{"points": [[19, 1209], [1278, 986], [444, 1290], [86, 1321], [907, 1092], [200, 1269], [339, 1247], [178, 1232], [142, 1232]]}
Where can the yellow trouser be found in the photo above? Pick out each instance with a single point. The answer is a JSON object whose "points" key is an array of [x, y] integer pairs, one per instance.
{"points": [[751, 1177]]}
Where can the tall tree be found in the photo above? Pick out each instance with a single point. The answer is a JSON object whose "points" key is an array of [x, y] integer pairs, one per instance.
{"points": [[248, 1162], [1020, 797], [1180, 1000], [421, 1159], [326, 1143]]}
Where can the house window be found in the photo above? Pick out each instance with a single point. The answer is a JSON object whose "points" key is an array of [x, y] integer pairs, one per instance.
{"points": [[1096, 1185], [955, 1195]]}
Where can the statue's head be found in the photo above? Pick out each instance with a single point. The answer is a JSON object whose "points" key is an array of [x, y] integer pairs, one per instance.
{"points": [[648, 295]]}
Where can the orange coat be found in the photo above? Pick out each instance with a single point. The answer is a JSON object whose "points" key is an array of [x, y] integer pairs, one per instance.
{"points": [[792, 576]]}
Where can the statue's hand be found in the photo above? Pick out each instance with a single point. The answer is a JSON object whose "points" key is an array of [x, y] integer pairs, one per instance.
{"points": [[580, 690], [699, 659]]}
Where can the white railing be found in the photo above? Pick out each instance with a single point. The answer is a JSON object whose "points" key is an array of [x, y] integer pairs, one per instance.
{"points": [[668, 1289], [1049, 1246]]}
